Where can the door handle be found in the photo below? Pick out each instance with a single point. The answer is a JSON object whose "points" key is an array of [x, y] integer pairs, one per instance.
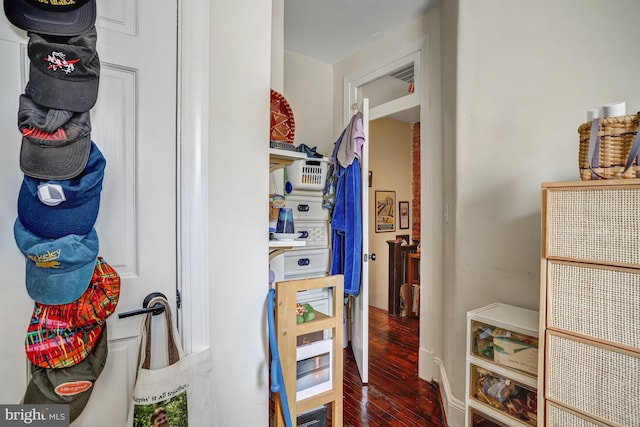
{"points": [[371, 257], [156, 309]]}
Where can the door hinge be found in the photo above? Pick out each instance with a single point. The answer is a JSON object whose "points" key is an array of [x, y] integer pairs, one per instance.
{"points": [[178, 299]]}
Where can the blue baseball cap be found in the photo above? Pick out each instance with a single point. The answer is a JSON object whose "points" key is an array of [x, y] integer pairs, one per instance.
{"points": [[55, 208], [58, 271]]}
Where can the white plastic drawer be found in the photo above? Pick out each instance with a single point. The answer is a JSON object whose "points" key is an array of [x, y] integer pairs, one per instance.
{"points": [[313, 294], [305, 262], [307, 207], [314, 233]]}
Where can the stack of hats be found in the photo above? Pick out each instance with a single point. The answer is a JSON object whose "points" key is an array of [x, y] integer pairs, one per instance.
{"points": [[75, 290]]}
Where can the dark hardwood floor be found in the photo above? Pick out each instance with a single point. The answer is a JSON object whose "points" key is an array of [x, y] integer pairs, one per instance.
{"points": [[394, 396]]}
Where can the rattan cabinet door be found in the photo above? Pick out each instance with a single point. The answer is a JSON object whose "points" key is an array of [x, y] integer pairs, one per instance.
{"points": [[596, 302], [593, 224], [558, 416], [600, 381]]}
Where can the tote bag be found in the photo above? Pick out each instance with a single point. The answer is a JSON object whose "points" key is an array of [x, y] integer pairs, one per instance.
{"points": [[179, 394]]}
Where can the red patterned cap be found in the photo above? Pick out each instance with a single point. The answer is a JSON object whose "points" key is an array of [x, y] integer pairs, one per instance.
{"points": [[63, 335]]}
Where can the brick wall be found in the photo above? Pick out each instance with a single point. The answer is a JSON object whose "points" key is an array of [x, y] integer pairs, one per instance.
{"points": [[415, 166]]}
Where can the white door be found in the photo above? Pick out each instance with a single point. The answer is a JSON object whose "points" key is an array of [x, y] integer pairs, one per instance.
{"points": [[134, 124], [360, 321]]}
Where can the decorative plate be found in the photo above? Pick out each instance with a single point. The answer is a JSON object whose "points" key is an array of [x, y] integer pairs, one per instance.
{"points": [[283, 125]]}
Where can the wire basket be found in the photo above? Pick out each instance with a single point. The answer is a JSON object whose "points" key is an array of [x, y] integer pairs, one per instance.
{"points": [[611, 145]]}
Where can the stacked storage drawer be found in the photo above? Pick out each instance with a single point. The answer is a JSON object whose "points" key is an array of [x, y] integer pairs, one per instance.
{"points": [[590, 304], [501, 368], [305, 179], [311, 221]]}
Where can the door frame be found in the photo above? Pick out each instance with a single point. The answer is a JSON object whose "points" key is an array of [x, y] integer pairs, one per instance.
{"points": [[431, 203], [192, 139]]}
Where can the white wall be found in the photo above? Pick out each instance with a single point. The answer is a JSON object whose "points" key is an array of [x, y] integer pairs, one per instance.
{"points": [[390, 157], [238, 183], [525, 75], [308, 87]]}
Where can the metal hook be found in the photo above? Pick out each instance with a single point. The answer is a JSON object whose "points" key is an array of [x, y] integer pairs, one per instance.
{"points": [[156, 309]]}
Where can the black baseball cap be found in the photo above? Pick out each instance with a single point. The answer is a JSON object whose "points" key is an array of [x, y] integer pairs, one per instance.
{"points": [[54, 17], [64, 73]]}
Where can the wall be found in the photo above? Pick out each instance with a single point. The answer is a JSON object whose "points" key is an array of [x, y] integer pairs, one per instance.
{"points": [[390, 161], [525, 75], [308, 87], [238, 221]]}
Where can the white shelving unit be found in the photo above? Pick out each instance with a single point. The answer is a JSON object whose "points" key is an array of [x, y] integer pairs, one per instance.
{"points": [[501, 382], [308, 256]]}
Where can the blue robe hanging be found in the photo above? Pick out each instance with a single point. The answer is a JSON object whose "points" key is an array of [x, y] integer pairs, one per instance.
{"points": [[346, 223]]}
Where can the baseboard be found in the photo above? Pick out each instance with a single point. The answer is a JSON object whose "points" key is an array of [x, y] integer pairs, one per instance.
{"points": [[454, 408]]}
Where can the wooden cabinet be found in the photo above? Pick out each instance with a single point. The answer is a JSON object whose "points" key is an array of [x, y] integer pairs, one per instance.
{"points": [[413, 285], [590, 304], [310, 387], [398, 272], [501, 368]]}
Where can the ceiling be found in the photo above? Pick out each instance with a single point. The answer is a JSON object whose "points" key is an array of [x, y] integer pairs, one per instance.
{"points": [[331, 30]]}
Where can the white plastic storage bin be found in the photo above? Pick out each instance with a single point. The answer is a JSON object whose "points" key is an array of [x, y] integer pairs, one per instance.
{"points": [[307, 174], [306, 207], [314, 233], [306, 262]]}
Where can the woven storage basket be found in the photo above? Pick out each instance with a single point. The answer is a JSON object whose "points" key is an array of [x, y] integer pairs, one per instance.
{"points": [[616, 136]]}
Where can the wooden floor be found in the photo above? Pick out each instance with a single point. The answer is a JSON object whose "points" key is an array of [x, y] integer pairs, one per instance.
{"points": [[394, 396]]}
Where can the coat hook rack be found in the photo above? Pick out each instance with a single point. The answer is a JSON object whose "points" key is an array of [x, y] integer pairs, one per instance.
{"points": [[156, 308]]}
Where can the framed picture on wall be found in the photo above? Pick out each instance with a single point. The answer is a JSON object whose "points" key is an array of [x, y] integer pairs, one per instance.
{"points": [[385, 211], [403, 209]]}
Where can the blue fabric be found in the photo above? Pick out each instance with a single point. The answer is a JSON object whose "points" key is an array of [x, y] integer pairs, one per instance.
{"points": [[346, 226], [277, 378]]}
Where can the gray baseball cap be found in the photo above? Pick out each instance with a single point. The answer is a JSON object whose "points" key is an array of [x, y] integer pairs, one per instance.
{"points": [[55, 143]]}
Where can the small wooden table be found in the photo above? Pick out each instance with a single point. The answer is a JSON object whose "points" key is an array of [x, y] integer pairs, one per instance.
{"points": [[413, 278]]}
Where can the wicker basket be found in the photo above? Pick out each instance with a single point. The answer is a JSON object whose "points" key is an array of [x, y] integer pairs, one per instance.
{"points": [[616, 136]]}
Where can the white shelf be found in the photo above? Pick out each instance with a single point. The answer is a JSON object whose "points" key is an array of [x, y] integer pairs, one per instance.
{"points": [[286, 243], [508, 318], [293, 155]]}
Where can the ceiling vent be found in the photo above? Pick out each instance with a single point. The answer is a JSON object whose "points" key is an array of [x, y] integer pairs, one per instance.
{"points": [[404, 74]]}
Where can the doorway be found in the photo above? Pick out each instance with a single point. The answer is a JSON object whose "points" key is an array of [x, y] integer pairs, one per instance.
{"points": [[393, 91]]}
